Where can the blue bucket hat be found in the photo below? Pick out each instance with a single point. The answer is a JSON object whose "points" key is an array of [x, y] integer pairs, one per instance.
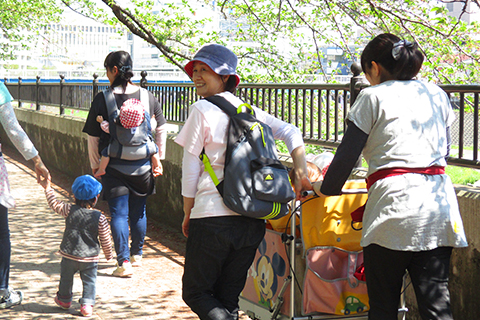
{"points": [[86, 187], [219, 58]]}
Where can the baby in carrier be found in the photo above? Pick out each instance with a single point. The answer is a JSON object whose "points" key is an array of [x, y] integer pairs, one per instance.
{"points": [[130, 137]]}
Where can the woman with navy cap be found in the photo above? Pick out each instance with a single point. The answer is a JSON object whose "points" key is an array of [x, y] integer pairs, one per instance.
{"points": [[221, 244]]}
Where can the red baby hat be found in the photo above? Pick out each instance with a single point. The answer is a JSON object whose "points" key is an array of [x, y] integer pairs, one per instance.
{"points": [[131, 113]]}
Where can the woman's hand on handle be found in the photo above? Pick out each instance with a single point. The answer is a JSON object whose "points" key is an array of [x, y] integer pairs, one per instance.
{"points": [[301, 181]]}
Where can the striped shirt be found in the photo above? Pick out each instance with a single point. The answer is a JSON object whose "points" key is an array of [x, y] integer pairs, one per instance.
{"points": [[63, 209]]}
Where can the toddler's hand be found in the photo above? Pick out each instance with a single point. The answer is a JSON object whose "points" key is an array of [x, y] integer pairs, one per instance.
{"points": [[99, 119], [98, 173], [157, 172], [156, 165], [44, 182]]}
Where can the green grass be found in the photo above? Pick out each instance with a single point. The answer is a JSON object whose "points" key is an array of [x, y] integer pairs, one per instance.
{"points": [[77, 113], [462, 175], [54, 110]]}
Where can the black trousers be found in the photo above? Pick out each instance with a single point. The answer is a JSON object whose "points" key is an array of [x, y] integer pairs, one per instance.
{"points": [[219, 253], [428, 270]]}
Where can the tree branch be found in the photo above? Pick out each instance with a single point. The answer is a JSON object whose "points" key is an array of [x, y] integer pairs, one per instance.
{"points": [[402, 20], [66, 4], [339, 31], [255, 15], [137, 28]]}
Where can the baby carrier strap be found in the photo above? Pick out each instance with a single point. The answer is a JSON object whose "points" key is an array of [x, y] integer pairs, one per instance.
{"points": [[145, 100], [129, 144], [111, 102]]}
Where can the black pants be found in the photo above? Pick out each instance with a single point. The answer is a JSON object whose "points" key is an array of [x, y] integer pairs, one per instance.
{"points": [[219, 253], [428, 270]]}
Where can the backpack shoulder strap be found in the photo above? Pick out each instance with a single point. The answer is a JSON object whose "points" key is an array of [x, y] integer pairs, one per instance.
{"points": [[224, 105], [110, 102], [208, 167], [227, 107]]}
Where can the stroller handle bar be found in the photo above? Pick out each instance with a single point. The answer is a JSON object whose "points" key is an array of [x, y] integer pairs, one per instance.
{"points": [[307, 193]]}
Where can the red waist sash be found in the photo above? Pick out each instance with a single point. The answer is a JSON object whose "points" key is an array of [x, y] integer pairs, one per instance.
{"points": [[357, 215]]}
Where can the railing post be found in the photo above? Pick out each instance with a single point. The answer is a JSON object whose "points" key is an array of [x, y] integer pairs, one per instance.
{"points": [[356, 70], [143, 81], [37, 98], [62, 82], [94, 85], [19, 97]]}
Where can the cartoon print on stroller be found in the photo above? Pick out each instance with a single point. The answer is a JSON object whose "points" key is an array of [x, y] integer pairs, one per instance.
{"points": [[310, 266]]}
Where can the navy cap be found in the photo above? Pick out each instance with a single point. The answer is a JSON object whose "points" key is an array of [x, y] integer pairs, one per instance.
{"points": [[219, 58], [86, 187]]}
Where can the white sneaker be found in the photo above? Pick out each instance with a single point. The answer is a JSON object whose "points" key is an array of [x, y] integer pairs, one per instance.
{"points": [[123, 271], [136, 260], [13, 298]]}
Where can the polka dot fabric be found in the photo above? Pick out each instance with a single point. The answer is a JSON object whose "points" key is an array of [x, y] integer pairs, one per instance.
{"points": [[131, 113]]}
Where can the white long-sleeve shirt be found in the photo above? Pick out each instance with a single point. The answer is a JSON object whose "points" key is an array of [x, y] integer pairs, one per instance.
{"points": [[19, 139]]}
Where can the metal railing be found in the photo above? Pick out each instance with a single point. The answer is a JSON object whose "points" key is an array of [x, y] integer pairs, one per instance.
{"points": [[319, 110]]}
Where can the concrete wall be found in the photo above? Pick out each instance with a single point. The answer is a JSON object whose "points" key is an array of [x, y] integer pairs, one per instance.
{"points": [[59, 140], [166, 206], [464, 265], [63, 146]]}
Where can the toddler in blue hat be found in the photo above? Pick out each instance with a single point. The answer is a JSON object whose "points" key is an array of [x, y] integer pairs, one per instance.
{"points": [[86, 229]]}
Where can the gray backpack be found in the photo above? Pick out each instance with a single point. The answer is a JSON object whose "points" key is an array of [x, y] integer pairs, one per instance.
{"points": [[129, 144], [256, 183]]}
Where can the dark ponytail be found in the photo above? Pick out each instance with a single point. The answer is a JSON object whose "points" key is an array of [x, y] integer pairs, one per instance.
{"points": [[124, 64], [400, 58], [231, 84]]}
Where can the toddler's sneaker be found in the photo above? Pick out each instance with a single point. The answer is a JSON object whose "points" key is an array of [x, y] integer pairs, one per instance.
{"points": [[123, 271], [86, 310], [61, 304], [12, 298], [136, 260]]}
